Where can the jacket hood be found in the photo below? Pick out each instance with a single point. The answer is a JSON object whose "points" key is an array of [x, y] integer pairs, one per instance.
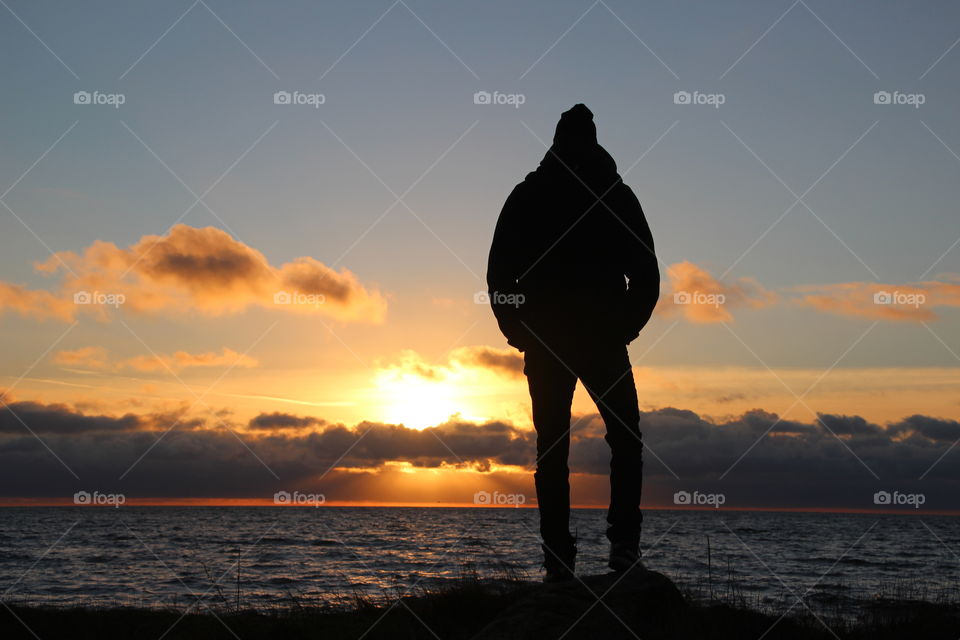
{"points": [[575, 153]]}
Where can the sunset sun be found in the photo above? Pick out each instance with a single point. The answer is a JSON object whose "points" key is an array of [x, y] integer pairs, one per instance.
{"points": [[414, 401]]}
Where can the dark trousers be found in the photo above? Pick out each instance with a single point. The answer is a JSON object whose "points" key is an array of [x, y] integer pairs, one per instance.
{"points": [[605, 371]]}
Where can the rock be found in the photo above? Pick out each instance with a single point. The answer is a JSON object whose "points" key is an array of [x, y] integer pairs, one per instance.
{"points": [[600, 606]]}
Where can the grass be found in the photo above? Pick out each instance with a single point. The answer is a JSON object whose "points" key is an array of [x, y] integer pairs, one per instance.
{"points": [[451, 612], [463, 607]]}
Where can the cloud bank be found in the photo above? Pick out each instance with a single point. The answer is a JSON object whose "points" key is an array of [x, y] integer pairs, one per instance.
{"points": [[755, 459], [190, 269]]}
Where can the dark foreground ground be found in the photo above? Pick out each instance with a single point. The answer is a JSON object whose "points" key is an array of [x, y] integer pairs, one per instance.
{"points": [[642, 604]]}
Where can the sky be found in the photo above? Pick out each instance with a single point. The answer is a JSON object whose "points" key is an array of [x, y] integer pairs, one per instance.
{"points": [[242, 242]]}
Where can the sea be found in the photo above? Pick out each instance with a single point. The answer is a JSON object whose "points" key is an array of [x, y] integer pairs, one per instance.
{"points": [[282, 557]]}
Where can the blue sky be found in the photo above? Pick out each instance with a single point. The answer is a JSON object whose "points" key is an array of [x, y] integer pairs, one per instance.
{"points": [[798, 81]]}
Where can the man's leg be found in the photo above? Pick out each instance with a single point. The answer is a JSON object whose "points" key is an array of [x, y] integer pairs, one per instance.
{"points": [[551, 394], [608, 377]]}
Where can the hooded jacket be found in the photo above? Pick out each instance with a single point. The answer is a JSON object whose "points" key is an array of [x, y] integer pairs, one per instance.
{"points": [[572, 258]]}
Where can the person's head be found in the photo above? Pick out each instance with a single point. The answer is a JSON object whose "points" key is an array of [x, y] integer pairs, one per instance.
{"points": [[576, 133], [575, 149]]}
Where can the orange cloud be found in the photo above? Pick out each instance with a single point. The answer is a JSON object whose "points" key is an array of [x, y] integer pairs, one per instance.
{"points": [[90, 357], [97, 358], [475, 358], [699, 297], [504, 361], [202, 269], [900, 303], [411, 362], [41, 305]]}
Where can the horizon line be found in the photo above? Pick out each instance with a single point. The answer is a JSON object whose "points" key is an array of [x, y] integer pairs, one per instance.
{"points": [[266, 502]]}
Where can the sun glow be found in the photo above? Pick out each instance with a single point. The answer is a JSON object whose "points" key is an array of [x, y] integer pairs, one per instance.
{"points": [[414, 401]]}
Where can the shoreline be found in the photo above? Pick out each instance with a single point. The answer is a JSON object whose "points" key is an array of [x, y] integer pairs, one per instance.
{"points": [[640, 603]]}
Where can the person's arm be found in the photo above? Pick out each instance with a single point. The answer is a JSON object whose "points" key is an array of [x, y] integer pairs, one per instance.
{"points": [[639, 265], [503, 268]]}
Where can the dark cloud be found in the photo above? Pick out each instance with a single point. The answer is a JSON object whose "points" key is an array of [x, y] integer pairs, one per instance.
{"points": [[276, 420], [931, 428], [21, 417], [450, 443], [755, 459], [848, 425]]}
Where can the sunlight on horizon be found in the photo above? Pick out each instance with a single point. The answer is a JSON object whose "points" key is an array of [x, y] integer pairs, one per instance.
{"points": [[416, 402]]}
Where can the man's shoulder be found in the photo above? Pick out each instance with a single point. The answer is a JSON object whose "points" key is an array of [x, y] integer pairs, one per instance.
{"points": [[622, 188], [530, 181], [623, 194], [525, 188]]}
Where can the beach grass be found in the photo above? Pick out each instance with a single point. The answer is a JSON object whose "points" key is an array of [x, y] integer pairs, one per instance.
{"points": [[508, 606]]}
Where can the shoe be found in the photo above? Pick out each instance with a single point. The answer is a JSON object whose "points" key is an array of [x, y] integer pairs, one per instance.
{"points": [[556, 575], [625, 556], [559, 563]]}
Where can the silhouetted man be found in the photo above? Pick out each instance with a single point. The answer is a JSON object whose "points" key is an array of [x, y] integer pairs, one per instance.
{"points": [[572, 279]]}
